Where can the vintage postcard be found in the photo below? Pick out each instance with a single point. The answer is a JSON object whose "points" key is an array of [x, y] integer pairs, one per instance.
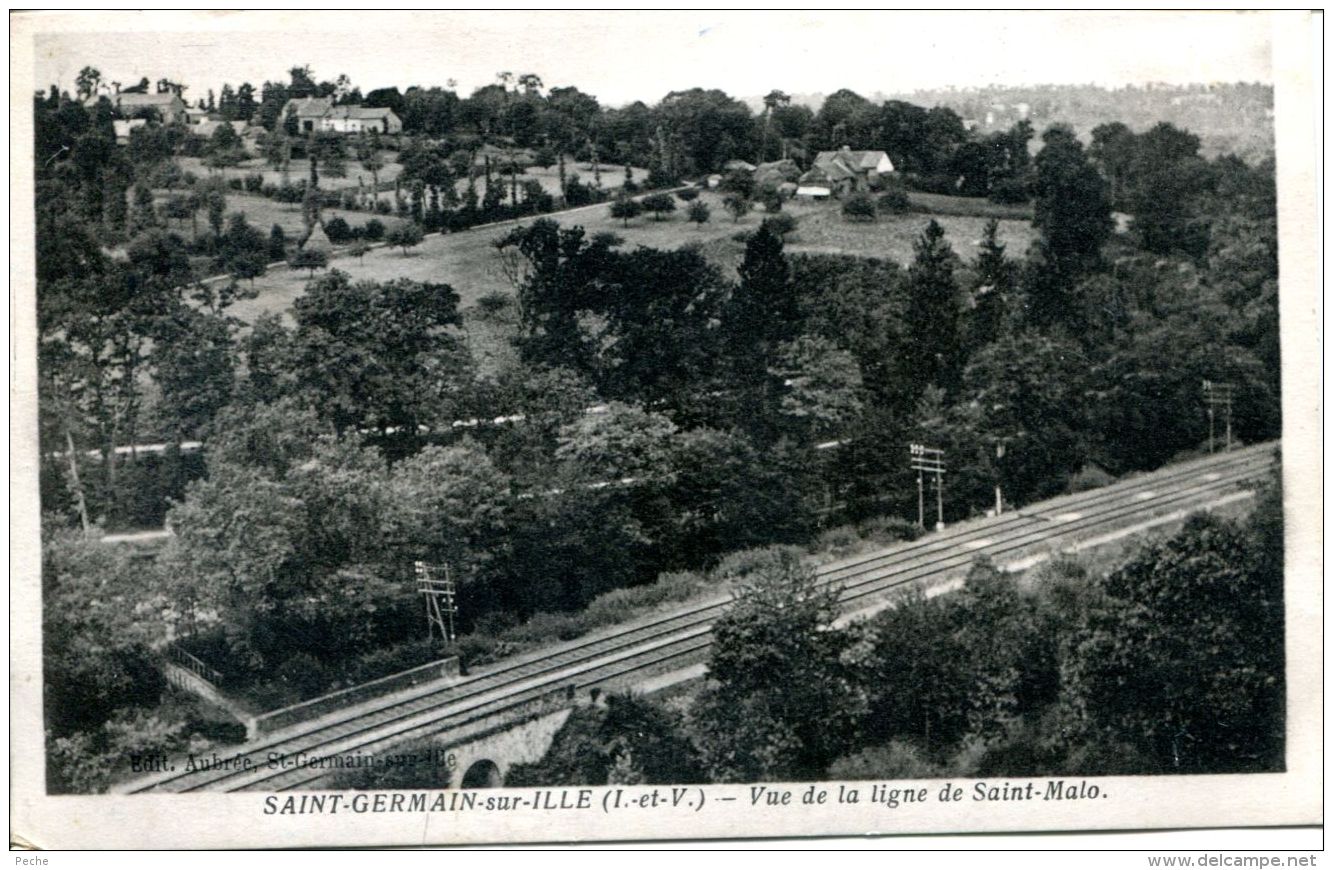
{"points": [[532, 426]]}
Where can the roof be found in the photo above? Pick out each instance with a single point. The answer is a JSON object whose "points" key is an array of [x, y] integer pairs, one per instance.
{"points": [[136, 100], [738, 164], [828, 173], [367, 113], [850, 162], [309, 107]]}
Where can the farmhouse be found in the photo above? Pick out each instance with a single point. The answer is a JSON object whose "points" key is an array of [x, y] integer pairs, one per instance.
{"points": [[319, 113], [842, 171], [169, 107], [309, 112], [362, 119]]}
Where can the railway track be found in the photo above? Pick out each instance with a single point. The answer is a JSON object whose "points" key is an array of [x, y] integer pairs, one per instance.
{"points": [[665, 641]]}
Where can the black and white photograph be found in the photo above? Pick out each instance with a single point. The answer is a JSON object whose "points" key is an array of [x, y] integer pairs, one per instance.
{"points": [[636, 425]]}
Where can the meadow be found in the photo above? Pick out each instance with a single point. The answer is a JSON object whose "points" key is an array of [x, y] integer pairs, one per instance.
{"points": [[469, 262]]}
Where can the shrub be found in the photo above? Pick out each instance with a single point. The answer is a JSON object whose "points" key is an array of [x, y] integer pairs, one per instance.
{"points": [[389, 660], [781, 223], [618, 605], [546, 627], [479, 648], [741, 564], [236, 184], [382, 206], [743, 237], [858, 207], [894, 201], [337, 230], [771, 200], [689, 194], [887, 530], [698, 212], [303, 674], [494, 303], [254, 182], [839, 541], [739, 182], [374, 229], [737, 204], [1089, 477]]}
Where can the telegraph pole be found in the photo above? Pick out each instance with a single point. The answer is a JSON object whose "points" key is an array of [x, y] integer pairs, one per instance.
{"points": [[928, 460], [437, 588], [1218, 394]]}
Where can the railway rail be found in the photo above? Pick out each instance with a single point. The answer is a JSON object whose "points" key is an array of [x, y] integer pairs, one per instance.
{"points": [[647, 646]]}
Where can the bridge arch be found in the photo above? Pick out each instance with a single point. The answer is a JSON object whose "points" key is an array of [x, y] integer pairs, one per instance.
{"points": [[482, 773]]}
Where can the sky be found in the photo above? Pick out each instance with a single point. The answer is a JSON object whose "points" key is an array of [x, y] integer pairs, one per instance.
{"points": [[624, 56]]}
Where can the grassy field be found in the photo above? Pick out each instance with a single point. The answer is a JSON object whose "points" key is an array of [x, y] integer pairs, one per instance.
{"points": [[966, 206], [264, 213], [468, 262], [298, 170]]}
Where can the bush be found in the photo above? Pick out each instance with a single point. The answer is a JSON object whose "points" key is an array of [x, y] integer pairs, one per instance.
{"points": [[236, 184], [494, 303], [546, 627], [337, 230], [840, 541], [689, 194], [743, 237], [619, 605], [1089, 477], [771, 200], [374, 229], [389, 660], [887, 530], [894, 201], [858, 207], [304, 675], [478, 649], [382, 206], [741, 564], [781, 223], [739, 182], [737, 204], [254, 182], [698, 212]]}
